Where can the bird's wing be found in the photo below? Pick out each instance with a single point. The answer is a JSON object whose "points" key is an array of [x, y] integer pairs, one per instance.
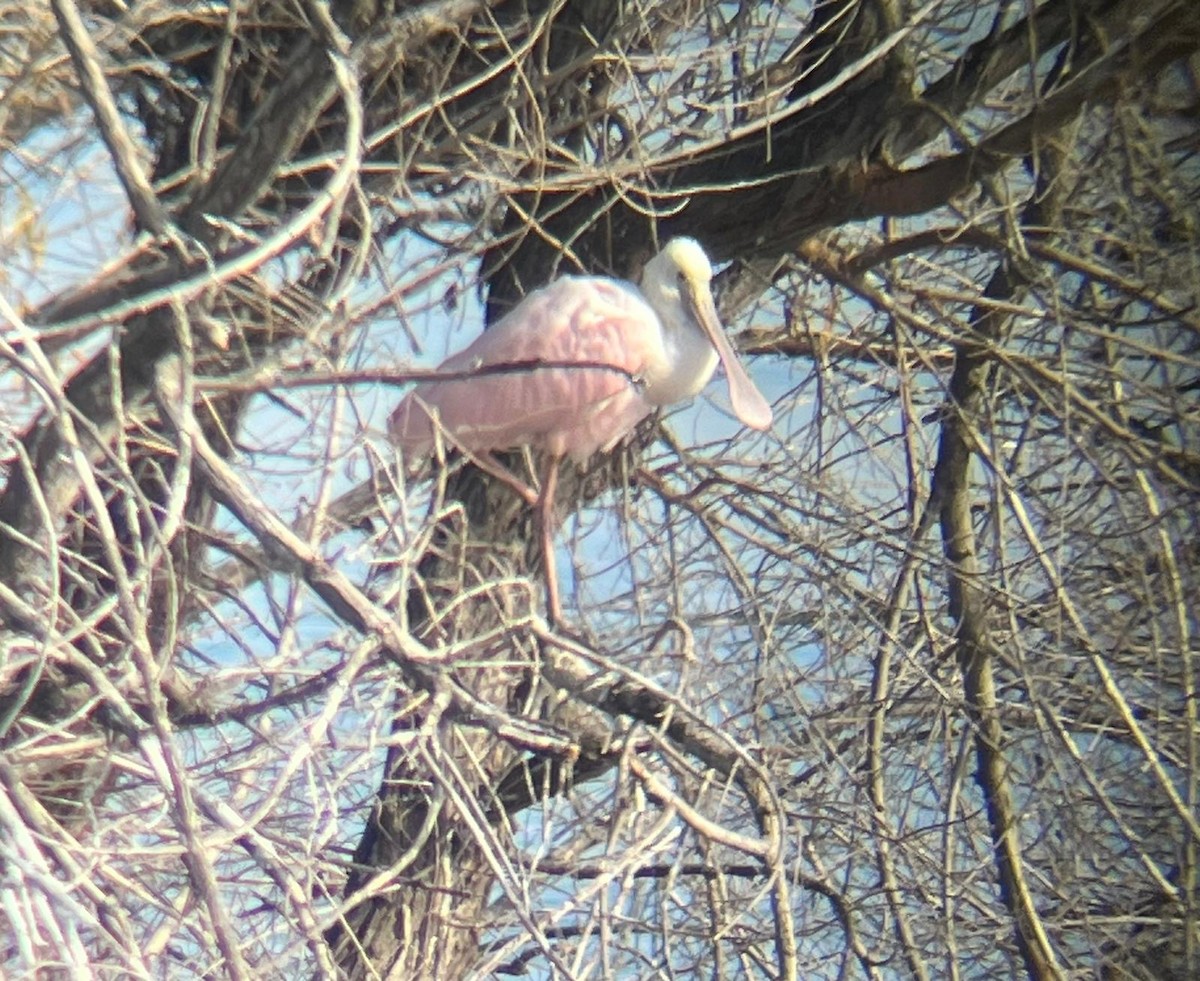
{"points": [[561, 370]]}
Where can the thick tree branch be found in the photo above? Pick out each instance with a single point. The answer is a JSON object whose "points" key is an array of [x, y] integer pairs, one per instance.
{"points": [[879, 191], [951, 499]]}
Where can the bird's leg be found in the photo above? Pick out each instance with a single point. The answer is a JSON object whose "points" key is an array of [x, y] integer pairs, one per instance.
{"points": [[544, 511], [489, 464], [542, 503]]}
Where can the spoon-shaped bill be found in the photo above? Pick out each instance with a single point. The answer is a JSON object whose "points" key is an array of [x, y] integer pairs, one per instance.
{"points": [[747, 401]]}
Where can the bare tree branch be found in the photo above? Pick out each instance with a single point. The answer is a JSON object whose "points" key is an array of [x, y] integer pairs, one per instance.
{"points": [[781, 729], [146, 207]]}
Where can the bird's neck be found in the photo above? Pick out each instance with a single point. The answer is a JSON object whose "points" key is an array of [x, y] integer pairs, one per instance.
{"points": [[692, 359]]}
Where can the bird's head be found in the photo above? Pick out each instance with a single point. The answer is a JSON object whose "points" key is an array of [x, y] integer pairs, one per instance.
{"points": [[681, 266], [678, 284]]}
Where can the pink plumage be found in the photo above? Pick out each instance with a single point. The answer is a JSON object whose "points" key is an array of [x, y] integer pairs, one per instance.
{"points": [[563, 372], [577, 364]]}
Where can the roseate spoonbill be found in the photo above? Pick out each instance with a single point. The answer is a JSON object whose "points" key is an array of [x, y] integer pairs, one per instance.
{"points": [[572, 369]]}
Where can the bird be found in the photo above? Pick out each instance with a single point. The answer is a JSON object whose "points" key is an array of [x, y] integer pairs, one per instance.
{"points": [[572, 369]]}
